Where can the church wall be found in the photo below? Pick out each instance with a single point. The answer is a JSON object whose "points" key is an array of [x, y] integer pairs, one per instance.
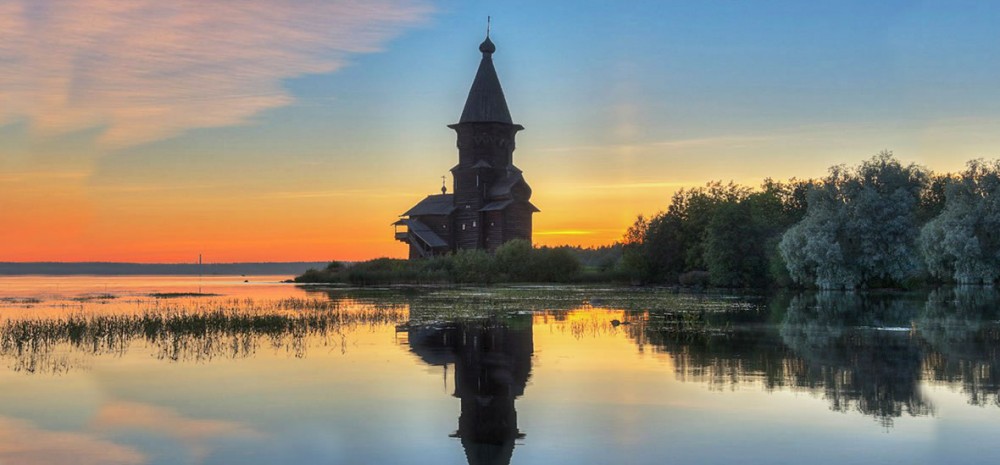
{"points": [[517, 222], [494, 231], [414, 253], [468, 228]]}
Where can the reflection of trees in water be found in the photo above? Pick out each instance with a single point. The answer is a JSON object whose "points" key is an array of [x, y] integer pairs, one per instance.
{"points": [[234, 330], [824, 343], [725, 359], [867, 352], [959, 326], [858, 350], [492, 362], [720, 347]]}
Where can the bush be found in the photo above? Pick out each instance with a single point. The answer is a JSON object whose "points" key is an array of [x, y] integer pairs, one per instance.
{"points": [[696, 278], [473, 266], [333, 273], [392, 271], [313, 275], [514, 260], [553, 265]]}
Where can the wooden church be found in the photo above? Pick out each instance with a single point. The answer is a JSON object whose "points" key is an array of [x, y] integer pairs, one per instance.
{"points": [[490, 200]]}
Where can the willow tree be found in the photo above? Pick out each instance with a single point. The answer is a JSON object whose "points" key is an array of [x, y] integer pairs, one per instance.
{"points": [[963, 242], [860, 227]]}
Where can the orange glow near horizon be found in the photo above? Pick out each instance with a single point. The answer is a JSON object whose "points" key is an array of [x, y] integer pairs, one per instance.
{"points": [[65, 222], [266, 131]]}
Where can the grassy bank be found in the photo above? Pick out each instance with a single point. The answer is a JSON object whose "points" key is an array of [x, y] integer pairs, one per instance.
{"points": [[516, 261]]}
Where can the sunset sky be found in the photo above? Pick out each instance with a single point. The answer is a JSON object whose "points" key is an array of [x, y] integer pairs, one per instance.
{"points": [[275, 130]]}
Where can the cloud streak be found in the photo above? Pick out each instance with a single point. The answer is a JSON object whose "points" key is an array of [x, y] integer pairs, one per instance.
{"points": [[143, 70]]}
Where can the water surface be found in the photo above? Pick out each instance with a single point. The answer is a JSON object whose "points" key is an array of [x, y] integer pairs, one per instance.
{"points": [[182, 370]]}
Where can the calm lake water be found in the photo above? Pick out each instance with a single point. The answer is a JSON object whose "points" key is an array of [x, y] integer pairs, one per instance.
{"points": [[183, 370]]}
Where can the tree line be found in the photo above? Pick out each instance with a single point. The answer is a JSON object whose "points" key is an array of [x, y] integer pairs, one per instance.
{"points": [[878, 224]]}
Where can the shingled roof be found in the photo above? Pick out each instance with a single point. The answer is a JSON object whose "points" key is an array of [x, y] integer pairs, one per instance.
{"points": [[425, 234], [503, 188], [486, 103], [440, 204], [496, 205]]}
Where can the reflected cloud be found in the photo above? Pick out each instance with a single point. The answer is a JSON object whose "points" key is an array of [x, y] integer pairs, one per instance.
{"points": [[193, 433], [144, 70], [25, 444]]}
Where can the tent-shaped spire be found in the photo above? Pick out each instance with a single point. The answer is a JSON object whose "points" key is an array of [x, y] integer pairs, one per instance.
{"points": [[486, 103]]}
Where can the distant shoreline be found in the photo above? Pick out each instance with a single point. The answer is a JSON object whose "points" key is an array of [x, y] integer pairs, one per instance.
{"points": [[135, 269]]}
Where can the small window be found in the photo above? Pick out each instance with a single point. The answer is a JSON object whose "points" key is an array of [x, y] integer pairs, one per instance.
{"points": [[492, 223], [463, 226], [473, 224], [444, 226]]}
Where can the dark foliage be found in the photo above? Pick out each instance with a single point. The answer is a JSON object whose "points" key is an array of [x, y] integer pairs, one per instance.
{"points": [[515, 261], [726, 232]]}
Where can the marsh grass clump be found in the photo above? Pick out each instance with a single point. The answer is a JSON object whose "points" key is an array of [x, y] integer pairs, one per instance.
{"points": [[94, 297], [226, 329], [177, 295], [26, 301]]}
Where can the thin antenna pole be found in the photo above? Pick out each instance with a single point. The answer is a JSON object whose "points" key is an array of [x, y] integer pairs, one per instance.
{"points": [[487, 27], [200, 272]]}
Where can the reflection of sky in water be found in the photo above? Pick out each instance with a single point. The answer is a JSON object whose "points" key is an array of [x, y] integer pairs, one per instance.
{"points": [[668, 386]]}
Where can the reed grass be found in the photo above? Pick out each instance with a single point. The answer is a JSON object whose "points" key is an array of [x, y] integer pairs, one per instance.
{"points": [[232, 328]]}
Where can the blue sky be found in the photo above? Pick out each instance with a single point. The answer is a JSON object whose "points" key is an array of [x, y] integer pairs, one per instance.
{"points": [[247, 115]]}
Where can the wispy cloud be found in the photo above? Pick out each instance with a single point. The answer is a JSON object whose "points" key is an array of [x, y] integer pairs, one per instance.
{"points": [[575, 232], [349, 193], [705, 142], [24, 176], [643, 185], [564, 233], [146, 69]]}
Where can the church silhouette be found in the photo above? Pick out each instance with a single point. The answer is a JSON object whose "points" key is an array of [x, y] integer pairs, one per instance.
{"points": [[490, 203]]}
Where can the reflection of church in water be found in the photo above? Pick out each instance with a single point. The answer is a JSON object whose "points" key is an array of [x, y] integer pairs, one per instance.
{"points": [[492, 363]]}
